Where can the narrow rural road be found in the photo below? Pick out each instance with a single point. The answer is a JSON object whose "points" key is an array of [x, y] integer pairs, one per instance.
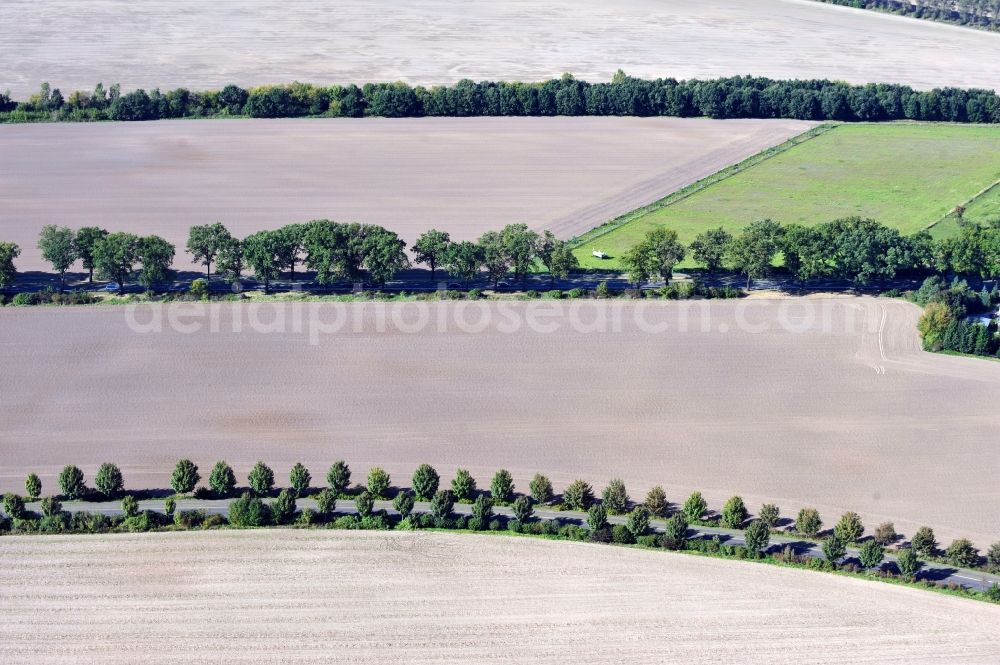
{"points": [[936, 572]]}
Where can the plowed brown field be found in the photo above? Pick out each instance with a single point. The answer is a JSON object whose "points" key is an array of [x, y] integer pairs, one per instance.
{"points": [[341, 597], [462, 175], [824, 402]]}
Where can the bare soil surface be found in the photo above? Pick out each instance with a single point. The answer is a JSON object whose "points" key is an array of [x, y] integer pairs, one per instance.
{"points": [[362, 597], [461, 175], [824, 402], [171, 43]]}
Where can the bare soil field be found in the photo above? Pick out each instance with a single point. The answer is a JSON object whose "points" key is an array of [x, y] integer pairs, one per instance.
{"points": [[362, 597], [804, 402], [166, 44], [462, 175]]}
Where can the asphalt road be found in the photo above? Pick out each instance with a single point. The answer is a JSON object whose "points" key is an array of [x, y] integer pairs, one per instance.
{"points": [[419, 281], [936, 572]]}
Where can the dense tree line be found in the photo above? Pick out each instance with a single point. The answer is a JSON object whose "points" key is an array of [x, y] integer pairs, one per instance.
{"points": [[250, 508], [854, 249], [731, 97], [333, 251], [945, 324], [975, 13]]}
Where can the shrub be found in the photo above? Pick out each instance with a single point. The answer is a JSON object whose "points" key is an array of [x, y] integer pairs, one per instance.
{"points": [[575, 293], [756, 536], [482, 511], [523, 509], [694, 507], [615, 497], [108, 480], [475, 294], [442, 504], [22, 299], [403, 503], [993, 558], [638, 521], [907, 563], [55, 523], [834, 548], [185, 477], [502, 486], [923, 541], [249, 511], [374, 523], [339, 477], [622, 535], [871, 554], [261, 479], [299, 478], [554, 294], [283, 508], [71, 483], [656, 502], [130, 506], [89, 522], [347, 522], [602, 290], [222, 479], [885, 533], [326, 502], [541, 489], [578, 495], [307, 517], [378, 482], [808, 522], [32, 486], [140, 522], [364, 503], [169, 506], [769, 514], [849, 529], [597, 517], [961, 552], [13, 505], [199, 288], [675, 533], [425, 482], [463, 485], [188, 519], [51, 506], [734, 513]]}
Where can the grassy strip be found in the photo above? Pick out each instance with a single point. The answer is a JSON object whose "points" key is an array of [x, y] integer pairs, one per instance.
{"points": [[698, 186], [951, 215]]}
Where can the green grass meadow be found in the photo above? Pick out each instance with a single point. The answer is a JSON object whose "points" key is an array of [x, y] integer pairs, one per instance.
{"points": [[906, 175]]}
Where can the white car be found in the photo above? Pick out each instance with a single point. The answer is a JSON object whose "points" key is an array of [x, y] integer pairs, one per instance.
{"points": [[599, 254]]}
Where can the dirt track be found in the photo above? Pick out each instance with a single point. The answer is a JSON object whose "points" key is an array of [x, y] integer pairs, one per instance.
{"points": [[322, 597], [801, 419], [462, 175], [164, 44]]}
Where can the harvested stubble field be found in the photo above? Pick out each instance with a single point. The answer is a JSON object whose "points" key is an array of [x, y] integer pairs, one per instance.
{"points": [[825, 402], [171, 43], [905, 175], [363, 597], [462, 175]]}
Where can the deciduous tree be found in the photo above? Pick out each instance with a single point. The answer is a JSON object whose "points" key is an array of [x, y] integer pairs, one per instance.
{"points": [[431, 249], [206, 241], [57, 246], [425, 482], [185, 477], [109, 480], [115, 257]]}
